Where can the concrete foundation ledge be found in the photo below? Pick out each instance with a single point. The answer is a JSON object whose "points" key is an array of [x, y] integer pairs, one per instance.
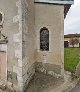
{"points": [[51, 69]]}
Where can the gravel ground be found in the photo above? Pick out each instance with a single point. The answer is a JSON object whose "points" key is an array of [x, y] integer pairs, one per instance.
{"points": [[43, 83], [76, 88]]}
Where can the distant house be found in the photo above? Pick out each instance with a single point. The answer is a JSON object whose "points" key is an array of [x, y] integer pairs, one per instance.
{"points": [[72, 40]]}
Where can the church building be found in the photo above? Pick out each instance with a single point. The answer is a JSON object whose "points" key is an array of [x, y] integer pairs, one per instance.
{"points": [[31, 39]]}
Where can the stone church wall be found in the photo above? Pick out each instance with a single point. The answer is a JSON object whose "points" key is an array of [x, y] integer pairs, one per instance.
{"points": [[10, 29], [19, 28], [23, 20], [28, 40], [51, 17]]}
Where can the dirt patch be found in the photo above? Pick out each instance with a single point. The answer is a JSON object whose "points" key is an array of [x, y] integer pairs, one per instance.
{"points": [[43, 83]]}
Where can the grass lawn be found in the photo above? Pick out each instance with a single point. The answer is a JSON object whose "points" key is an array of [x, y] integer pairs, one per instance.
{"points": [[71, 58]]}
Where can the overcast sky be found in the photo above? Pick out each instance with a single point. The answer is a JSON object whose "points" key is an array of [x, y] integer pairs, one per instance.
{"points": [[72, 21]]}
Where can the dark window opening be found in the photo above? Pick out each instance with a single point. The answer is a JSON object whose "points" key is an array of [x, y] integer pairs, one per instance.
{"points": [[66, 44]]}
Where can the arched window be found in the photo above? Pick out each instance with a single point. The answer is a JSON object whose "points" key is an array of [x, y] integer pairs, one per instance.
{"points": [[44, 39]]}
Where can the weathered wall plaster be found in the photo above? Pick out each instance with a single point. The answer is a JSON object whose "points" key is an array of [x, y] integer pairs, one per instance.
{"points": [[51, 17]]}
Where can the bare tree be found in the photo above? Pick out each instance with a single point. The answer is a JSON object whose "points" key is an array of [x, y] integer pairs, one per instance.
{"points": [[74, 41]]}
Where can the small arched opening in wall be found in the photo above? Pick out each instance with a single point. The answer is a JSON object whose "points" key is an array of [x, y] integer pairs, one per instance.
{"points": [[1, 18], [44, 39]]}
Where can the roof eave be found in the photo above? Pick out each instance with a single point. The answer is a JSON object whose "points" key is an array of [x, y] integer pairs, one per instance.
{"points": [[66, 9]]}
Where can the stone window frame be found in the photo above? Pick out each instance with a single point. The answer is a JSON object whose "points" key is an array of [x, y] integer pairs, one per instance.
{"points": [[1, 23], [38, 40]]}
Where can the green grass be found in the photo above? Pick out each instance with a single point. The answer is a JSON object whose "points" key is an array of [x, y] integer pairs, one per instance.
{"points": [[71, 58]]}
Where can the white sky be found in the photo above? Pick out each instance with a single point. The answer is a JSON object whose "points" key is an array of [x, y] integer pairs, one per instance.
{"points": [[72, 21]]}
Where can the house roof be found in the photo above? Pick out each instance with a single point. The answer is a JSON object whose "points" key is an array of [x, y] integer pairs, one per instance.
{"points": [[71, 35]]}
